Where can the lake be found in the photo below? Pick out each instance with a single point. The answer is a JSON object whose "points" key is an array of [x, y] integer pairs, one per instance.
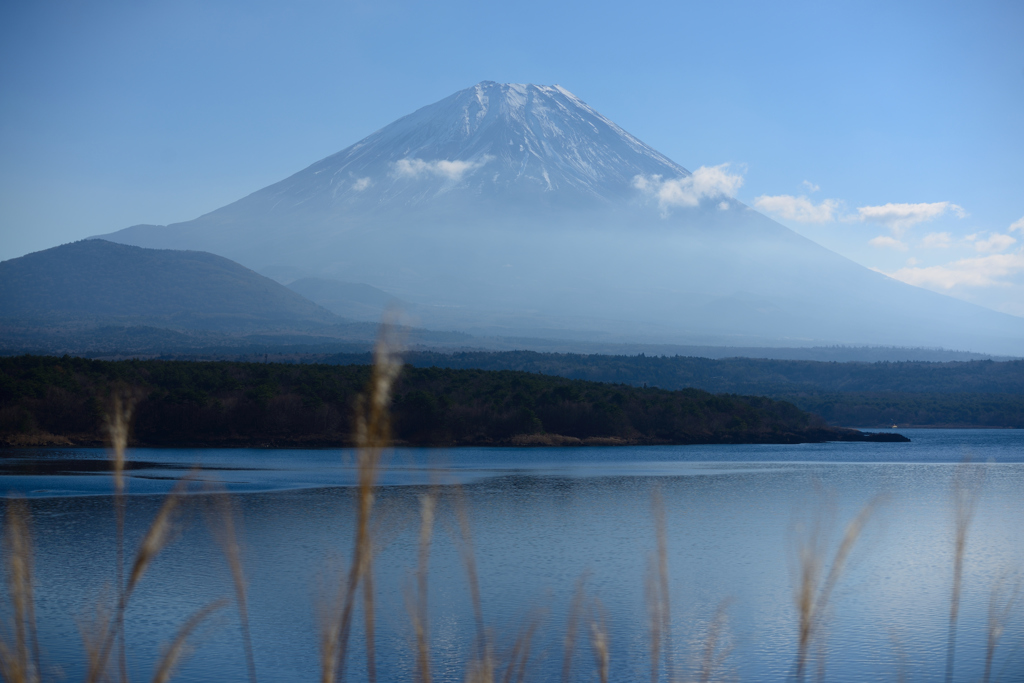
{"points": [[540, 519]]}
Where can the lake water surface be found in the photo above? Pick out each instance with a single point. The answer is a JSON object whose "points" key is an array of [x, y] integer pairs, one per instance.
{"points": [[542, 518]]}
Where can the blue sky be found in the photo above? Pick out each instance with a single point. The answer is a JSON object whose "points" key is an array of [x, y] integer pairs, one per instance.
{"points": [[117, 113]]}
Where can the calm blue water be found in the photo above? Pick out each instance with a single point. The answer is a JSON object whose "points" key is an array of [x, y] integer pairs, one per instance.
{"points": [[541, 518]]}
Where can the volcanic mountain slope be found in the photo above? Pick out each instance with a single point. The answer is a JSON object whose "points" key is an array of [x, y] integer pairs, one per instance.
{"points": [[518, 209], [101, 282], [347, 299]]}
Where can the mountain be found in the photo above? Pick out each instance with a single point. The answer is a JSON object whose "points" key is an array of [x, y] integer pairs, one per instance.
{"points": [[510, 209], [100, 282], [348, 299]]}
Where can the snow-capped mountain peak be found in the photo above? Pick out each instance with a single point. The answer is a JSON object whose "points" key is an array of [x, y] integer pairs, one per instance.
{"points": [[491, 138]]}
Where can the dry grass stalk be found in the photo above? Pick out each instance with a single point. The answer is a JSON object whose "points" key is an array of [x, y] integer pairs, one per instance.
{"points": [[19, 660], [93, 631], [118, 423], [599, 642], [814, 591], [373, 435], [156, 538], [328, 610], [896, 637], [1001, 603], [575, 614], [481, 667], [480, 670], [222, 522], [420, 612], [652, 595], [967, 482], [714, 654], [176, 651], [519, 653], [657, 592], [469, 560]]}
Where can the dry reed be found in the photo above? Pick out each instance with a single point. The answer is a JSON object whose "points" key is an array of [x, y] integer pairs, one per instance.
{"points": [[118, 424], [967, 482], [373, 435], [575, 613], [817, 580], [421, 615], [19, 660], [328, 609], [176, 651], [713, 653], [481, 667], [657, 590], [652, 596], [815, 586], [221, 518], [599, 642], [518, 656], [1001, 603], [153, 542]]}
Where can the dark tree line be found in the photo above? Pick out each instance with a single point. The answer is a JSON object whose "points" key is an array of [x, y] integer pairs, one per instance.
{"points": [[972, 393], [232, 403]]}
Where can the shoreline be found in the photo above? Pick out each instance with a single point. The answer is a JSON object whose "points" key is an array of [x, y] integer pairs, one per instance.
{"points": [[826, 435]]}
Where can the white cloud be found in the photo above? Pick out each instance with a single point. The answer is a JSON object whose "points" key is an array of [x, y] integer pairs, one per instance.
{"points": [[811, 187], [981, 271], [886, 242], [899, 217], [706, 182], [1017, 225], [937, 240], [723, 205], [800, 209], [442, 168], [911, 261], [361, 184], [994, 244]]}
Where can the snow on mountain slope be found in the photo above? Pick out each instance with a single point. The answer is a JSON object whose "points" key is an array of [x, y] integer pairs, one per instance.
{"points": [[518, 209], [486, 139]]}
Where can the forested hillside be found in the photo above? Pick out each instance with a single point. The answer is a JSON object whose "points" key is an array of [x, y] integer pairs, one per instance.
{"points": [[973, 394], [63, 400]]}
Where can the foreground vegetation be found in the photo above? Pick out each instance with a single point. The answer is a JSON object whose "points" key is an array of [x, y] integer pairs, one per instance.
{"points": [[819, 566], [61, 400]]}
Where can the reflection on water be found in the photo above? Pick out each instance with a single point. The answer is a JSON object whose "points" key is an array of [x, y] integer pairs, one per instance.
{"points": [[540, 519]]}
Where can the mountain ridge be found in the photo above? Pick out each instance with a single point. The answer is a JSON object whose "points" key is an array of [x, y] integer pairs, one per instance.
{"points": [[97, 281], [518, 208]]}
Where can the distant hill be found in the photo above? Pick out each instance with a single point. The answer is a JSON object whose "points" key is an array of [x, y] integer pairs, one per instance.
{"points": [[758, 376], [101, 282]]}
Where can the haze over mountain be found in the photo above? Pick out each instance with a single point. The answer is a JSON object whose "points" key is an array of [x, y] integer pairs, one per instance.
{"points": [[100, 282], [510, 209], [348, 299]]}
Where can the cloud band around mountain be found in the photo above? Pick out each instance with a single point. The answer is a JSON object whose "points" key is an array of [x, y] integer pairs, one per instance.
{"points": [[707, 182], [441, 168]]}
